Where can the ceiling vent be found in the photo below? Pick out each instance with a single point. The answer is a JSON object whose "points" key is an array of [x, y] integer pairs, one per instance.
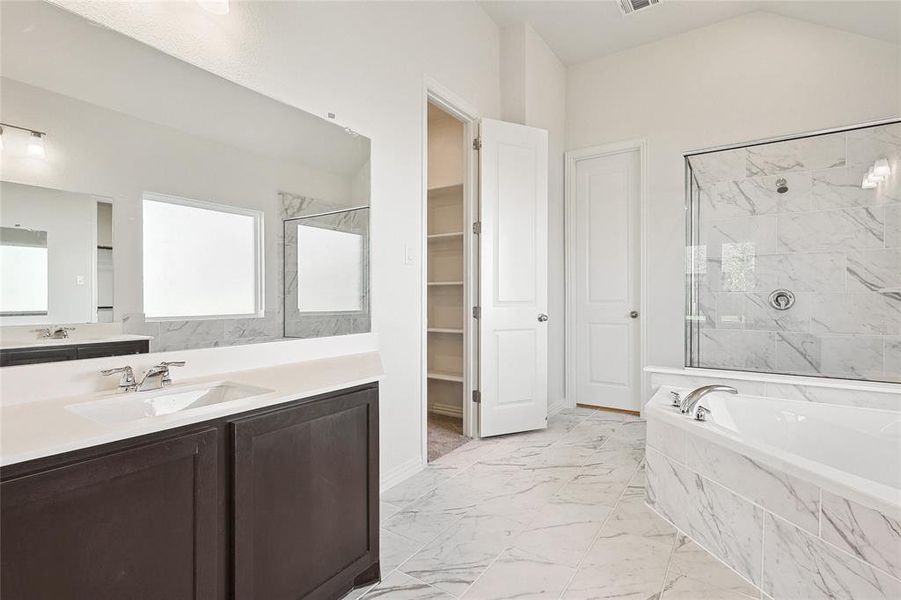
{"points": [[630, 6]]}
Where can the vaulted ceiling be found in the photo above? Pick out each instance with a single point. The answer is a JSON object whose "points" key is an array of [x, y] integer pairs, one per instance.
{"points": [[582, 30]]}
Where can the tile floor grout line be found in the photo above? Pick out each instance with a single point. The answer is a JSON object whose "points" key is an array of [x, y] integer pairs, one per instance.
{"points": [[505, 549], [540, 447], [485, 570], [669, 564], [597, 535]]}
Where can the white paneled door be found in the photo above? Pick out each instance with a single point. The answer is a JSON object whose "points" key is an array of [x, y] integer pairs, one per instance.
{"points": [[606, 269], [513, 163]]}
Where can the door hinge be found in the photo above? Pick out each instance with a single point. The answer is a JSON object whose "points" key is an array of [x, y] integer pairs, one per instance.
{"points": [[477, 143], [476, 312], [477, 227], [477, 396]]}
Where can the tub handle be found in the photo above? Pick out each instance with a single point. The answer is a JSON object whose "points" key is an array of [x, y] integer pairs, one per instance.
{"points": [[676, 399], [702, 413]]}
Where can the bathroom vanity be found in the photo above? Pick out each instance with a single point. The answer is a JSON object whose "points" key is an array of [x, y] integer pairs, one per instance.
{"points": [[275, 501], [57, 350]]}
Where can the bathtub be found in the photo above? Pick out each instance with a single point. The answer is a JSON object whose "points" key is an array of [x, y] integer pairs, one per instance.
{"points": [[803, 499]]}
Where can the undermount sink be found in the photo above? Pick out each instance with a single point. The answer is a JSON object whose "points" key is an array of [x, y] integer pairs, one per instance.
{"points": [[143, 405]]}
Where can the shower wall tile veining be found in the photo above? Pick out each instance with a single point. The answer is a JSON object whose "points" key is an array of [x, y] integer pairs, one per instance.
{"points": [[794, 266]]}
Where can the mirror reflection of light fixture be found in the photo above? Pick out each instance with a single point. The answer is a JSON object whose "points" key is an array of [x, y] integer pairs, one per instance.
{"points": [[881, 168], [217, 7], [36, 145], [876, 174]]}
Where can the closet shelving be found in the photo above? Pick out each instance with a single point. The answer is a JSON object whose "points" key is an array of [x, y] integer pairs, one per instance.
{"points": [[445, 295]]}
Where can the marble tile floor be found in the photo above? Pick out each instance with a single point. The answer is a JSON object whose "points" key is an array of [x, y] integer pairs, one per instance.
{"points": [[558, 513]]}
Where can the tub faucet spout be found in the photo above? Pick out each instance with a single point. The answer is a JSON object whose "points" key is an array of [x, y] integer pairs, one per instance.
{"points": [[690, 402]]}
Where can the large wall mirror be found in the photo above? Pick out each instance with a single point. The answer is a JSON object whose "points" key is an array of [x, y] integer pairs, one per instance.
{"points": [[142, 196]]}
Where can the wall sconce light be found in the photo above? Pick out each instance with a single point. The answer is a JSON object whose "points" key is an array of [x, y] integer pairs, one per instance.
{"points": [[876, 174], [217, 7], [35, 145]]}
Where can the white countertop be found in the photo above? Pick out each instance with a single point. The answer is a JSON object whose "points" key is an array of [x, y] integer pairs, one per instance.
{"points": [[70, 341], [42, 428]]}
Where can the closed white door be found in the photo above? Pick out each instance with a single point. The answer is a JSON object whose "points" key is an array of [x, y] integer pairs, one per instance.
{"points": [[513, 166], [606, 280]]}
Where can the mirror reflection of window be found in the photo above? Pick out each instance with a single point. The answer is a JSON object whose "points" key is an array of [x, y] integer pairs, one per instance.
{"points": [[201, 259], [24, 264], [329, 270]]}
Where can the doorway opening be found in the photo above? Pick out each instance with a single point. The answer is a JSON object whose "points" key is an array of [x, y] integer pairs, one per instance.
{"points": [[446, 282]]}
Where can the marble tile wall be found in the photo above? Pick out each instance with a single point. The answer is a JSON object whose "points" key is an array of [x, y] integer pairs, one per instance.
{"points": [[319, 324], [880, 397], [786, 535], [836, 246]]}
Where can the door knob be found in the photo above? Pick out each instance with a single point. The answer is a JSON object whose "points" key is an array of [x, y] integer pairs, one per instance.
{"points": [[633, 314], [542, 318]]}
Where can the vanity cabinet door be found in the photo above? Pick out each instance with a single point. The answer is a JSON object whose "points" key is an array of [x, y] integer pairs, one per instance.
{"points": [[113, 349], [30, 356], [136, 523], [306, 499]]}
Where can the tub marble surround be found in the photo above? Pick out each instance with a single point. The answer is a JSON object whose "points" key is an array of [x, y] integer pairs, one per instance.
{"points": [[885, 396], [785, 533], [835, 245]]}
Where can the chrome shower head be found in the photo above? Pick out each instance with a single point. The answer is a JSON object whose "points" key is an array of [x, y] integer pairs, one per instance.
{"points": [[781, 185]]}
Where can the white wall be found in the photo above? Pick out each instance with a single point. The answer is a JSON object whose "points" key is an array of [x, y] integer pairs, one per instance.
{"points": [[366, 63], [533, 85], [754, 76], [70, 222]]}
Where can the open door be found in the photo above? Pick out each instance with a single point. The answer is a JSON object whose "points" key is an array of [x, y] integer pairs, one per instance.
{"points": [[513, 164]]}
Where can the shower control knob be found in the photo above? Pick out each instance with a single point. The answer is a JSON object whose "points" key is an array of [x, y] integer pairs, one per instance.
{"points": [[633, 314]]}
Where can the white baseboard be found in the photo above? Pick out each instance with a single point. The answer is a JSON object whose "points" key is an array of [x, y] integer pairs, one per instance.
{"points": [[400, 473], [447, 410]]}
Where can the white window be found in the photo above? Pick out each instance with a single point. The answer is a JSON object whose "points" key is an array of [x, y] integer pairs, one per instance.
{"points": [[201, 260], [23, 262], [329, 270]]}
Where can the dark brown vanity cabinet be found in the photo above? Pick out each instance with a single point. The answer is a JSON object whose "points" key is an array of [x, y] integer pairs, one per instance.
{"points": [[306, 499], [136, 523], [43, 354], [279, 503]]}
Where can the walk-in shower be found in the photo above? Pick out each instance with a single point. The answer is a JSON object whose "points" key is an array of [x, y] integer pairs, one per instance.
{"points": [[794, 255]]}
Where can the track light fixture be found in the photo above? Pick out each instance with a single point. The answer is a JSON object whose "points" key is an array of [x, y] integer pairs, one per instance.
{"points": [[35, 145]]}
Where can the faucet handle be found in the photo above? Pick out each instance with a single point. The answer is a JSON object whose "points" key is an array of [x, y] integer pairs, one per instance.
{"points": [[701, 414], [676, 398], [163, 368], [42, 331], [127, 381]]}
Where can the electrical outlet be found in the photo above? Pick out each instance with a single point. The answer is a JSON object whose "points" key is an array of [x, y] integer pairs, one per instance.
{"points": [[409, 254]]}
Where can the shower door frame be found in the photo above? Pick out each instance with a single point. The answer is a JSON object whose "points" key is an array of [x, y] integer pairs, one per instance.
{"points": [[692, 237]]}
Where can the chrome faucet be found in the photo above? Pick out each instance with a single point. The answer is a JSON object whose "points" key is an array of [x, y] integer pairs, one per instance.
{"points": [[54, 333], [690, 406], [156, 377]]}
